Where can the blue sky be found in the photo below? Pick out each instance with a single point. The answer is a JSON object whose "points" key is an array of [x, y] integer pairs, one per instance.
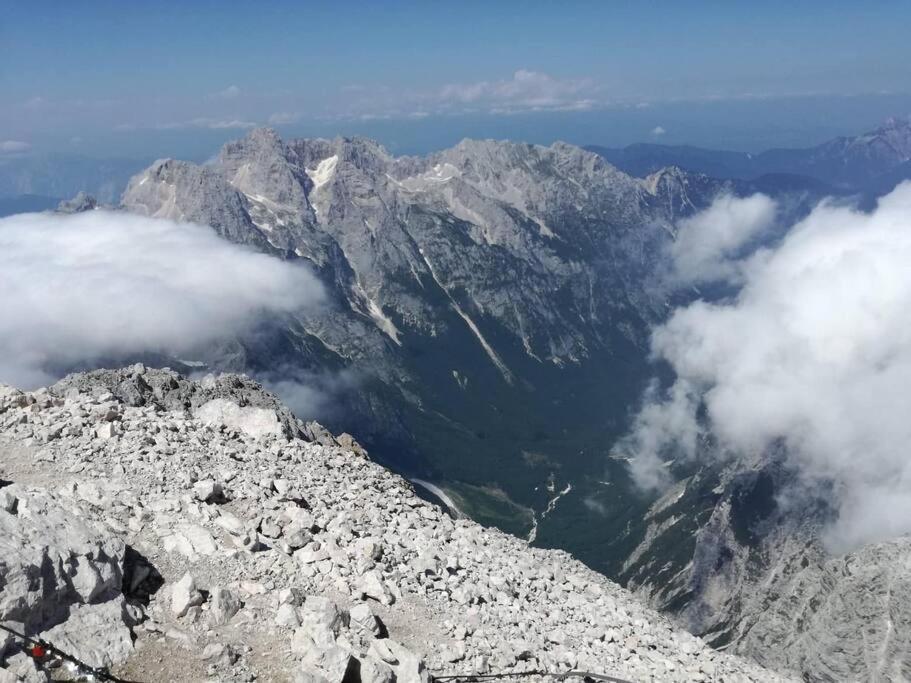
{"points": [[158, 78]]}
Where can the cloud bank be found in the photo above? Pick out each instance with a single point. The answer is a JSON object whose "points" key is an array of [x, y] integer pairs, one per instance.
{"points": [[210, 123], [102, 284], [706, 243], [14, 147], [813, 355], [229, 93], [525, 91]]}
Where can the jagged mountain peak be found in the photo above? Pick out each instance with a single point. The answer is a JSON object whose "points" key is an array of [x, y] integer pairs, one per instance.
{"points": [[896, 123], [894, 135], [350, 203], [511, 153], [263, 136]]}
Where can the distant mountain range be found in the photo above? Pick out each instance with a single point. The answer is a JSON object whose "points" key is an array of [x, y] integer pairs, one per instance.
{"points": [[24, 203], [871, 163], [57, 176]]}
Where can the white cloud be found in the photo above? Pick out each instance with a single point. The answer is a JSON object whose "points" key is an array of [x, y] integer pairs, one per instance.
{"points": [[223, 123], [85, 287], [229, 93], [280, 118], [211, 123], [525, 91], [14, 147], [812, 355], [706, 243], [593, 505], [658, 131], [310, 395]]}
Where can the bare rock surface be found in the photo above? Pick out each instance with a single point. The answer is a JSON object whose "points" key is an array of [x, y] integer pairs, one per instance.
{"points": [[312, 564], [760, 582]]}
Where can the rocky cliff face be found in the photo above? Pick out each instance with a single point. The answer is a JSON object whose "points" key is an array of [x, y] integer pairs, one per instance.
{"points": [[232, 541], [496, 229], [753, 576]]}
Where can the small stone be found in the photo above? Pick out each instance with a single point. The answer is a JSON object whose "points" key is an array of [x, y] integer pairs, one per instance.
{"points": [[249, 541], [372, 586], [287, 616], [375, 671], [410, 668], [106, 430], [184, 595], [230, 523], [323, 612], [362, 617], [8, 501], [223, 605], [212, 651], [207, 490], [297, 538], [381, 650], [453, 653], [270, 530], [332, 664]]}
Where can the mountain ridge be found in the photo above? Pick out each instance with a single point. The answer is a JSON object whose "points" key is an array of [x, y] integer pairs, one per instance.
{"points": [[847, 163]]}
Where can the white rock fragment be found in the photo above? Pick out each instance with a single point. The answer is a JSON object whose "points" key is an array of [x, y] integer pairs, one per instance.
{"points": [[207, 490], [7, 501], [223, 605], [230, 523], [106, 430], [287, 616], [373, 670], [372, 586], [255, 422], [185, 595], [362, 617]]}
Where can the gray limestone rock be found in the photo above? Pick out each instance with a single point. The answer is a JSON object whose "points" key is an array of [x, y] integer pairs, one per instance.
{"points": [[185, 595], [223, 605], [81, 202]]}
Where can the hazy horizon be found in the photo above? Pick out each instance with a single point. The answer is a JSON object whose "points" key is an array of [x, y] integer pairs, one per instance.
{"points": [[179, 80]]}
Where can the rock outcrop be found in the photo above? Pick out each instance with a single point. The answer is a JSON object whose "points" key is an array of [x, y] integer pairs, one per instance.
{"points": [[237, 552], [753, 575]]}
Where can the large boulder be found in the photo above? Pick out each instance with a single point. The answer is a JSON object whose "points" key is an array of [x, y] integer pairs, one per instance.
{"points": [[255, 422], [61, 577]]}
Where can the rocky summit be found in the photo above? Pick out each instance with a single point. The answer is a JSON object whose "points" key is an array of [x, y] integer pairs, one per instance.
{"points": [[177, 530]]}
